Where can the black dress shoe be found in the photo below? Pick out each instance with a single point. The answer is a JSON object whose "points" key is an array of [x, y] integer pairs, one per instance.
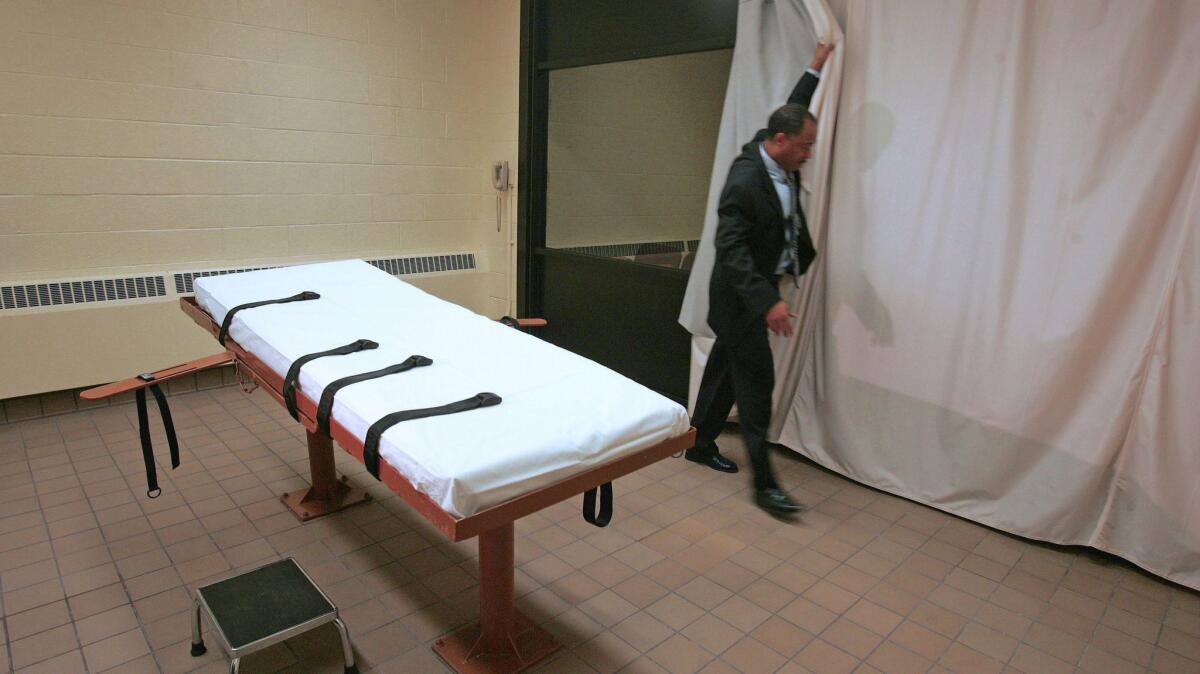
{"points": [[711, 458], [775, 501]]}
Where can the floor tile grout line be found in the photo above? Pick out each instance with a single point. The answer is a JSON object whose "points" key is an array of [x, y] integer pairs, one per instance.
{"points": [[836, 528]]}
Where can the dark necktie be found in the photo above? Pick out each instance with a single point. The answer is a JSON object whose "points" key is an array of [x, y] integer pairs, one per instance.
{"points": [[794, 184]]}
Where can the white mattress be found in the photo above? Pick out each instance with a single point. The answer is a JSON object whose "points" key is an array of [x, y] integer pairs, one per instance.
{"points": [[561, 413]]}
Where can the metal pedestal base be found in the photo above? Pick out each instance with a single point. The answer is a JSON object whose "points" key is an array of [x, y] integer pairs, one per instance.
{"points": [[313, 503], [467, 653], [504, 641], [328, 494]]}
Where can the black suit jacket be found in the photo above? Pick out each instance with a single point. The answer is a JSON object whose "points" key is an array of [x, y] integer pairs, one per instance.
{"points": [[751, 237]]}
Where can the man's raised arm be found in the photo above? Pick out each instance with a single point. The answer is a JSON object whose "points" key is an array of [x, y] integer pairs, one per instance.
{"points": [[803, 92]]}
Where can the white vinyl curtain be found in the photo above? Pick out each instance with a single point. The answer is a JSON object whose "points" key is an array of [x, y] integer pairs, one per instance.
{"points": [[1008, 321], [1003, 321]]}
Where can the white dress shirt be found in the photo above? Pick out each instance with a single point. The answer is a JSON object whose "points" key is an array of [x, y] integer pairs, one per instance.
{"points": [[783, 187]]}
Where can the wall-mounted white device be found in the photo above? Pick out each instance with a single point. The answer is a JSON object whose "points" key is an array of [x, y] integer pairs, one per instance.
{"points": [[500, 182], [500, 176]]}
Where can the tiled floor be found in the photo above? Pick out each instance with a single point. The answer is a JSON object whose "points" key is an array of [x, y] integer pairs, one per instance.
{"points": [[689, 576]]}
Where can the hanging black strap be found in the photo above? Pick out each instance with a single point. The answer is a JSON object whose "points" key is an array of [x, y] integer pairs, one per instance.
{"points": [[144, 431], [298, 297], [604, 516], [291, 382], [325, 407], [375, 432]]}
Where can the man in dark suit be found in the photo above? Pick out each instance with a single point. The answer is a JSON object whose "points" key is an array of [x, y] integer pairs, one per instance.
{"points": [[761, 235]]}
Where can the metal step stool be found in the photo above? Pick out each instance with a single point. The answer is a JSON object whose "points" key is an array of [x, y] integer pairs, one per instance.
{"points": [[263, 607]]}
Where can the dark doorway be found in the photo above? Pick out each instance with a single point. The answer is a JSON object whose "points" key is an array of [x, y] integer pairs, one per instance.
{"points": [[619, 113]]}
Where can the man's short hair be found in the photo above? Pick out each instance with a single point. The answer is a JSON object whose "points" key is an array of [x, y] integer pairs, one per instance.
{"points": [[789, 119]]}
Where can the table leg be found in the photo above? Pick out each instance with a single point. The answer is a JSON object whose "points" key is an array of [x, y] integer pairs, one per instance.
{"points": [[328, 494], [504, 641]]}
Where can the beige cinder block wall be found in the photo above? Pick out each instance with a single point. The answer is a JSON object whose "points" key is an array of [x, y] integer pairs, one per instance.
{"points": [[630, 149], [143, 136]]}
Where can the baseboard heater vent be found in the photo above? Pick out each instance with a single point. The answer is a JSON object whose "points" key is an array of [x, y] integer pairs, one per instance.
{"points": [[399, 266], [56, 293], [396, 266], [629, 249], [48, 295], [183, 280]]}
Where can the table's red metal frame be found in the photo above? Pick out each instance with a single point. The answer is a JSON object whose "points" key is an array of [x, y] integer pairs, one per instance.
{"points": [[504, 641]]}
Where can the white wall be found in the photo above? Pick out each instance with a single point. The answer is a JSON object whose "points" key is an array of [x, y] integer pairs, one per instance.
{"points": [[630, 148], [151, 135]]}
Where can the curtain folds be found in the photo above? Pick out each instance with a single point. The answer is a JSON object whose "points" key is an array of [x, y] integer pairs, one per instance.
{"points": [[1005, 317]]}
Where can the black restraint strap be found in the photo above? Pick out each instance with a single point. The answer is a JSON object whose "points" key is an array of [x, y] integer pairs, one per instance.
{"points": [[375, 432], [144, 432], [292, 381], [298, 297], [325, 407], [602, 518]]}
